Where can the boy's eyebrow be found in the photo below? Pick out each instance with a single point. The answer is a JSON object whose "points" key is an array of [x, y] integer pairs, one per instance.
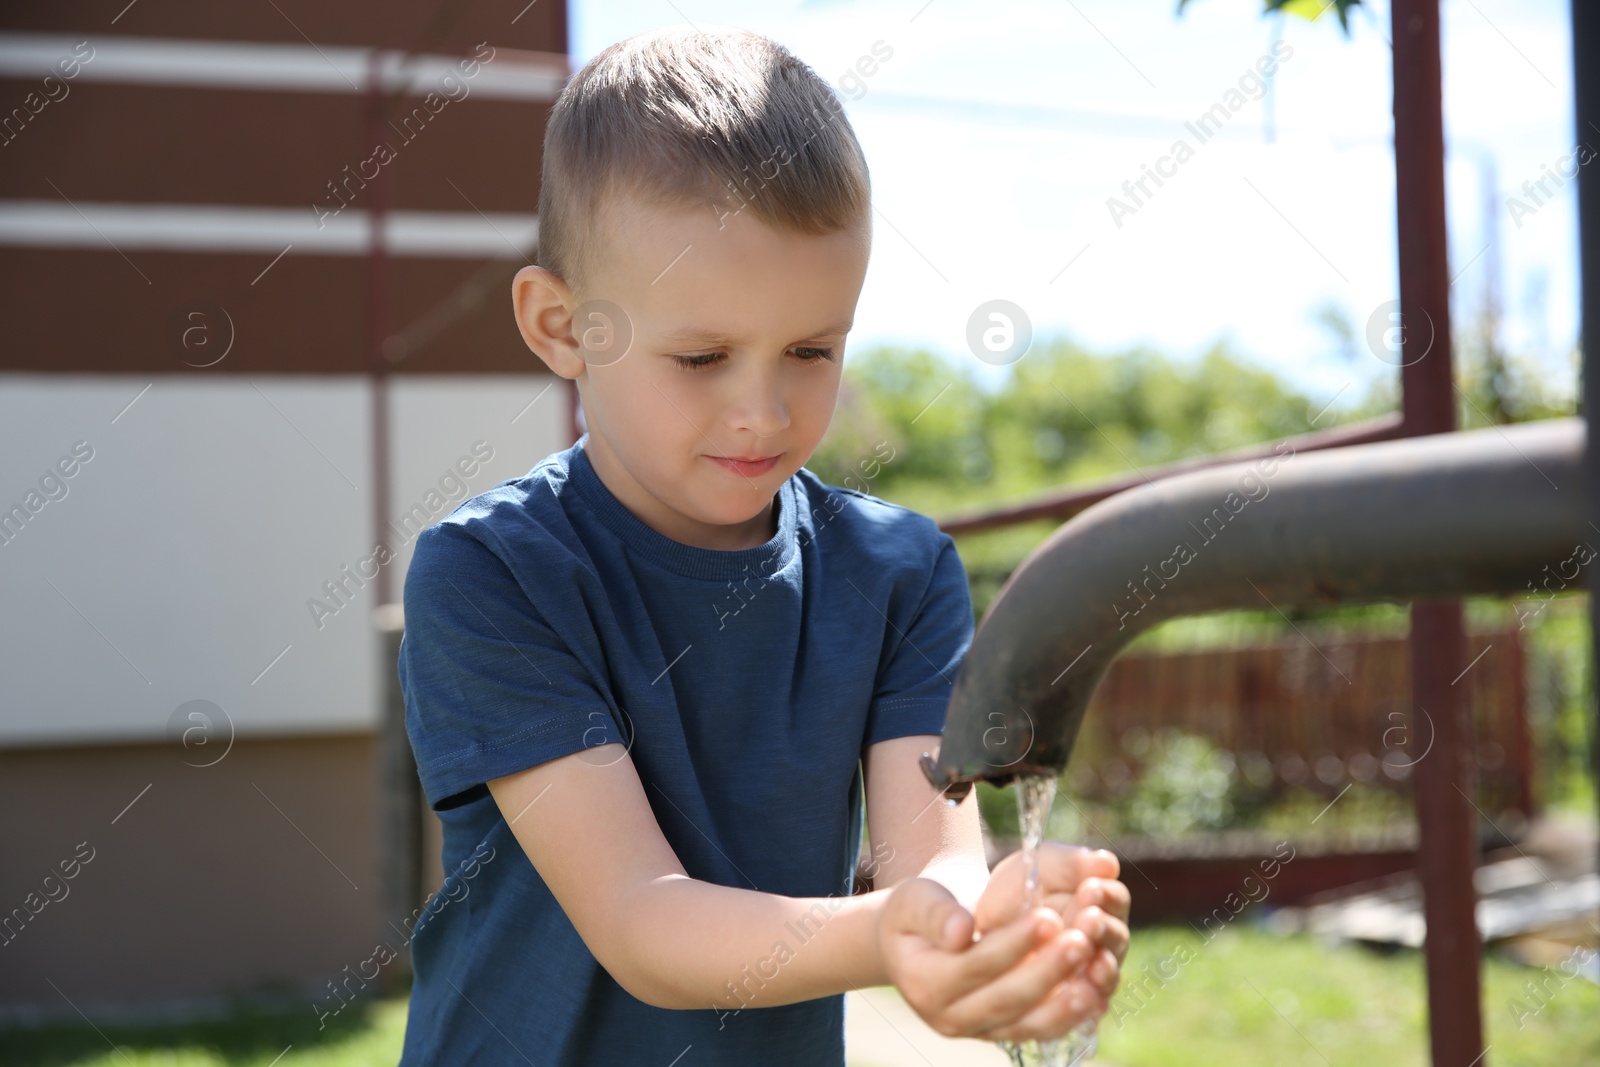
{"points": [[694, 333]]}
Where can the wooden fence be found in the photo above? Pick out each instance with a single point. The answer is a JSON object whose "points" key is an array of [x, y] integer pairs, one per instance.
{"points": [[1318, 716]]}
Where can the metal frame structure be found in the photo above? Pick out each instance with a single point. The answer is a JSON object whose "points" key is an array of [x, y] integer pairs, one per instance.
{"points": [[1442, 515], [1335, 559]]}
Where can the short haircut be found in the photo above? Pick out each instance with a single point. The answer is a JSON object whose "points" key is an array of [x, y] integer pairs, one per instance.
{"points": [[679, 117]]}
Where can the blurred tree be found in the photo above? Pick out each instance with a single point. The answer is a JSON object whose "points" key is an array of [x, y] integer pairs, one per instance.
{"points": [[909, 404], [1065, 415]]}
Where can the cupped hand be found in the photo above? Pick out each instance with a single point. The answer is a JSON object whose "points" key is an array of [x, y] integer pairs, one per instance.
{"points": [[991, 987], [1081, 886]]}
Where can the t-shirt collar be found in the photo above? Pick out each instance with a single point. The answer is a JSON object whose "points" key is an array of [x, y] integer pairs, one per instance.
{"points": [[688, 560]]}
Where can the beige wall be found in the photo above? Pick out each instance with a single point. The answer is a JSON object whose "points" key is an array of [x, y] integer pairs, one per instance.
{"points": [[180, 563], [260, 869], [175, 575]]}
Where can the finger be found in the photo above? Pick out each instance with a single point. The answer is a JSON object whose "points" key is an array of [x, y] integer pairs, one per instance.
{"points": [[1063, 870], [1018, 991], [1002, 948], [1002, 901], [1062, 904], [1094, 923], [1064, 867], [1107, 893], [1104, 931], [933, 913], [1116, 939], [1066, 905], [1081, 909], [1105, 972], [1070, 1004]]}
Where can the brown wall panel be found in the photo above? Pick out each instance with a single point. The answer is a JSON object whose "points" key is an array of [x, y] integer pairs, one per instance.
{"points": [[177, 145], [425, 24], [74, 310], [260, 869]]}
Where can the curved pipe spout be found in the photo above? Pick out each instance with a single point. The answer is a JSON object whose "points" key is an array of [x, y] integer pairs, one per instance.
{"points": [[1484, 511]]}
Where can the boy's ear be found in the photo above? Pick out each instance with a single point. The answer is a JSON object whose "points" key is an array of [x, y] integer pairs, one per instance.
{"points": [[543, 305]]}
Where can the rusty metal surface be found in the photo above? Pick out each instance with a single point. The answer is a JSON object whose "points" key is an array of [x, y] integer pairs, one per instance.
{"points": [[1448, 851], [1442, 515]]}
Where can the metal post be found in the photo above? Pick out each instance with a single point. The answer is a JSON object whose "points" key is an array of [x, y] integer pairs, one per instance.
{"points": [[378, 322], [1447, 853], [399, 804], [1521, 754], [399, 789], [1586, 90]]}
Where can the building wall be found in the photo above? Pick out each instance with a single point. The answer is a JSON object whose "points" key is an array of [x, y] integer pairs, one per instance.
{"points": [[234, 842], [255, 875], [192, 557], [217, 223]]}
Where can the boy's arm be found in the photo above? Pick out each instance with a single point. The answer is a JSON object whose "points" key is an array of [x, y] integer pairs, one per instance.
{"points": [[915, 832], [674, 941]]}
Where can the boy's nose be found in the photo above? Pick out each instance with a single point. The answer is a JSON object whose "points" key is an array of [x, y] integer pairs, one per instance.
{"points": [[764, 416], [762, 407]]}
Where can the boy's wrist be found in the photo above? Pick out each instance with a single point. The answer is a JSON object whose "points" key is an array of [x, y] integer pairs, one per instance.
{"points": [[875, 972], [965, 879]]}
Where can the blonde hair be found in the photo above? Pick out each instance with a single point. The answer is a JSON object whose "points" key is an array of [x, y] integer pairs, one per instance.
{"points": [[682, 118]]}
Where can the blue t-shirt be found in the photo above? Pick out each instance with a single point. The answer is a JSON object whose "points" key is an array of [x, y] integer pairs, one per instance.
{"points": [[543, 618]]}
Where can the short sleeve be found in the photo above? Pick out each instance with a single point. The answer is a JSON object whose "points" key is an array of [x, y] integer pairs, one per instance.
{"points": [[491, 686], [927, 648]]}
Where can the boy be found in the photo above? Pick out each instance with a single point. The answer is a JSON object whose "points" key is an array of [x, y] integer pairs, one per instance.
{"points": [[648, 683]]}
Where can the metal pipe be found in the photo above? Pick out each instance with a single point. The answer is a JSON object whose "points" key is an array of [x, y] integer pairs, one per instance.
{"points": [[1477, 512]]}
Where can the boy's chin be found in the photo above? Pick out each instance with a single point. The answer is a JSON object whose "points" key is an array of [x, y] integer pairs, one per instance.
{"points": [[722, 514], [729, 506]]}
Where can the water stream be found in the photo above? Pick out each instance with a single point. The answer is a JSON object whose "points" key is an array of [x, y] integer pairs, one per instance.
{"points": [[1034, 796]]}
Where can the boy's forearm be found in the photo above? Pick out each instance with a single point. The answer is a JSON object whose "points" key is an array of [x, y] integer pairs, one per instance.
{"points": [[697, 944]]}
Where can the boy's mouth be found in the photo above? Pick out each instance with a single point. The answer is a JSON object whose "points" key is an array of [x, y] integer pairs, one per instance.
{"points": [[746, 466]]}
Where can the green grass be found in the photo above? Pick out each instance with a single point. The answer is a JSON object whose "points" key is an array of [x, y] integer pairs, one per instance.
{"points": [[1246, 997], [364, 1034], [1249, 996]]}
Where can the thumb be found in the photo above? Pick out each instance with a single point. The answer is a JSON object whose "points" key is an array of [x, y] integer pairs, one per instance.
{"points": [[934, 914]]}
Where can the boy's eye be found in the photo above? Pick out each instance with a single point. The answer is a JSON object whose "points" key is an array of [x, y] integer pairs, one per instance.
{"points": [[699, 362], [703, 360]]}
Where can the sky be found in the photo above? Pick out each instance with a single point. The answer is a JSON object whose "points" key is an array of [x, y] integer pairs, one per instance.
{"points": [[998, 133]]}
